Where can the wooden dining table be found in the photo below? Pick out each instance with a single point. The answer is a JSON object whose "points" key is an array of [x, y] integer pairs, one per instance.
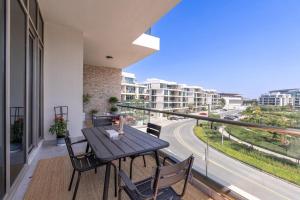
{"points": [[131, 142]]}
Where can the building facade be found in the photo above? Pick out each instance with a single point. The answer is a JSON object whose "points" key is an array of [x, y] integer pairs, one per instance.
{"points": [[231, 100], [131, 90], [285, 97], [171, 96]]}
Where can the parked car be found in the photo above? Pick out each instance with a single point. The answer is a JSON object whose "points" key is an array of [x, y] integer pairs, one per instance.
{"points": [[174, 117]]}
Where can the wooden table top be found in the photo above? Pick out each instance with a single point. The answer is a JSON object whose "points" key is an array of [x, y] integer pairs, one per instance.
{"points": [[132, 142]]}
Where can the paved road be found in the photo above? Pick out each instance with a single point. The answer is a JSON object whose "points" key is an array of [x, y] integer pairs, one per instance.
{"points": [[247, 181]]}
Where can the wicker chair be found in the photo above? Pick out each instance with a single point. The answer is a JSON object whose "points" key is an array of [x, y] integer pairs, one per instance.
{"points": [[158, 187], [82, 163], [153, 130]]}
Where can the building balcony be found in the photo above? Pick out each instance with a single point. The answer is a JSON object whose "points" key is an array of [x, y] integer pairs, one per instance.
{"points": [[53, 184]]}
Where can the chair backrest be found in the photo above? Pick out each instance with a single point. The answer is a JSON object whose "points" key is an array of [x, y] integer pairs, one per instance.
{"points": [[70, 150], [99, 121], [166, 176], [154, 129]]}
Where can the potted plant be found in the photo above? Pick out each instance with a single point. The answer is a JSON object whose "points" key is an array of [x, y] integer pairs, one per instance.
{"points": [[59, 127], [113, 101]]}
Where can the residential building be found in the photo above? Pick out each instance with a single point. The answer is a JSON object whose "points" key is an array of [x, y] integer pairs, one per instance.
{"points": [[212, 99], [53, 52], [285, 97], [171, 96], [232, 100], [131, 90]]}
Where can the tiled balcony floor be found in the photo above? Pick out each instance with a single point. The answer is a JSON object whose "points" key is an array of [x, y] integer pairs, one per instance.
{"points": [[51, 177]]}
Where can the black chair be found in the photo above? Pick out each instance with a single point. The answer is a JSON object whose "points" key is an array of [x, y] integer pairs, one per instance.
{"points": [[98, 121], [153, 130], [158, 187], [103, 120], [82, 163]]}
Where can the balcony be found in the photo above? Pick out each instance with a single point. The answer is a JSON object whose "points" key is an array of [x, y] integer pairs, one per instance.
{"points": [[53, 184]]}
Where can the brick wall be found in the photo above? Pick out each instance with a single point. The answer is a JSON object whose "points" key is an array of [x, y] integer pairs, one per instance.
{"points": [[101, 83]]}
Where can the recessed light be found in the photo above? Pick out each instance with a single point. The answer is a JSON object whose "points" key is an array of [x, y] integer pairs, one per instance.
{"points": [[109, 57]]}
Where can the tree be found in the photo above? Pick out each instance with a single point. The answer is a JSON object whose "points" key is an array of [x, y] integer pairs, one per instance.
{"points": [[222, 103]]}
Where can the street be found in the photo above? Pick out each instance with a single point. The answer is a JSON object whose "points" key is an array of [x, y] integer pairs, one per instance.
{"points": [[243, 179]]}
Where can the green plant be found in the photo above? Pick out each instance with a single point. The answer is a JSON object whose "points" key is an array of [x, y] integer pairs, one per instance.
{"points": [[86, 98], [93, 112], [222, 102], [113, 100], [59, 127], [113, 109], [17, 131]]}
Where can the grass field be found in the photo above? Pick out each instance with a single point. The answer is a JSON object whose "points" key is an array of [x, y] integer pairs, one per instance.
{"points": [[282, 168], [265, 140]]}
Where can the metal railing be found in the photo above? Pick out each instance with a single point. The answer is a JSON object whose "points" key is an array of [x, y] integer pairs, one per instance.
{"points": [[271, 149], [279, 130]]}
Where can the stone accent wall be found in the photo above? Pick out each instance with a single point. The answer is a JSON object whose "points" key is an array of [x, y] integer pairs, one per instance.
{"points": [[101, 83]]}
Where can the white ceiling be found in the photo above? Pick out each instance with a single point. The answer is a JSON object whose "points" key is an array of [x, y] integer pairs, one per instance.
{"points": [[109, 26]]}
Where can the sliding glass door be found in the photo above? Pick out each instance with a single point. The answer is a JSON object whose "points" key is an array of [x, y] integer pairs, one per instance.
{"points": [[18, 37], [2, 99]]}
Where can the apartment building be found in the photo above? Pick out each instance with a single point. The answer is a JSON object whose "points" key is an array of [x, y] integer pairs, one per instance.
{"points": [[283, 97], [171, 96], [131, 90]]}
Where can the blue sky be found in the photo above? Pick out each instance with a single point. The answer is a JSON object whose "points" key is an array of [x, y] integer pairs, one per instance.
{"points": [[244, 46]]}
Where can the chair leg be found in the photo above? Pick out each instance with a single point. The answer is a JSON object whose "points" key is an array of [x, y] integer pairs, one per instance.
{"points": [[96, 170], [120, 194], [87, 148], [71, 182], [131, 165], [76, 187], [116, 181], [144, 159]]}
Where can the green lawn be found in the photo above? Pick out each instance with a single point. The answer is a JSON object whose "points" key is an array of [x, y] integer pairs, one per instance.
{"points": [[282, 168], [265, 140]]}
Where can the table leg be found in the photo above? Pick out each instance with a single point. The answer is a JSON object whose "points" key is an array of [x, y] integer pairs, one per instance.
{"points": [[106, 181], [157, 158], [120, 164]]}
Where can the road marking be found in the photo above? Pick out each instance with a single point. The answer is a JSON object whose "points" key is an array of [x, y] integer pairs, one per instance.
{"points": [[195, 151], [243, 193]]}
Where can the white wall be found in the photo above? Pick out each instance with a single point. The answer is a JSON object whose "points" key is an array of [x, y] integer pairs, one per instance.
{"points": [[63, 76]]}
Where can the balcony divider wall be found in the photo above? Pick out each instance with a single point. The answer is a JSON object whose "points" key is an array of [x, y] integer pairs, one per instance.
{"points": [[2, 99], [21, 88]]}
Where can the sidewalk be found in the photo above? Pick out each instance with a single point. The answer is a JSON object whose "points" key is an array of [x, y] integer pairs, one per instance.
{"points": [[226, 134]]}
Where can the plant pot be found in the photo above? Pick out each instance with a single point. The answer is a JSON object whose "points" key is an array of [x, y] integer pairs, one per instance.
{"points": [[60, 141]]}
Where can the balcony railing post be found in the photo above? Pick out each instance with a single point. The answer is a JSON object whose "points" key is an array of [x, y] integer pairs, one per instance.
{"points": [[205, 154], [223, 135]]}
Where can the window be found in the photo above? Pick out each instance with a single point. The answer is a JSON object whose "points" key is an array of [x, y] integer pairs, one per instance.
{"points": [[2, 98], [129, 80]]}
